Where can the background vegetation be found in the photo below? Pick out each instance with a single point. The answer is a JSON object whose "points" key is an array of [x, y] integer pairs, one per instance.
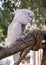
{"points": [[38, 6]]}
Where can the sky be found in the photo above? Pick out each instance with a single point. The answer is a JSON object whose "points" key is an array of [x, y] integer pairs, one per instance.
{"points": [[1, 5]]}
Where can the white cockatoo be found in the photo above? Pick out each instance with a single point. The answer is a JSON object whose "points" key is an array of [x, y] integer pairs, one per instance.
{"points": [[22, 16], [15, 30]]}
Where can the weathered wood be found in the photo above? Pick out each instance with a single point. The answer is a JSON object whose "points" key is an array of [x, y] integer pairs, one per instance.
{"points": [[44, 57], [44, 54], [23, 55], [33, 40], [18, 46]]}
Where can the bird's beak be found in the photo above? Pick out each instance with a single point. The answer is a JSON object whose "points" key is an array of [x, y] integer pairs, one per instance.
{"points": [[33, 17]]}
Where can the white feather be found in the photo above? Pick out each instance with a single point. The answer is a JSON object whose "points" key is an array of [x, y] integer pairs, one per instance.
{"points": [[22, 16]]}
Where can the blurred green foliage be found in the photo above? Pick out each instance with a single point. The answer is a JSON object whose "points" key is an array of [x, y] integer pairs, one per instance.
{"points": [[9, 5]]}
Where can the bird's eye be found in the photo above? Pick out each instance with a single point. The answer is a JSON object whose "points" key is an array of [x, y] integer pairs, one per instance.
{"points": [[28, 13], [30, 16]]}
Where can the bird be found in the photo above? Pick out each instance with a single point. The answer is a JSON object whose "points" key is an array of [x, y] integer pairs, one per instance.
{"points": [[16, 28]]}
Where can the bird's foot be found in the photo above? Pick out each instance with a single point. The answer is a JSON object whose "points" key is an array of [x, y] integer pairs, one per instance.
{"points": [[22, 38]]}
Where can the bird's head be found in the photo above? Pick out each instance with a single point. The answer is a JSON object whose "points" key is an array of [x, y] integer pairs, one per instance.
{"points": [[24, 16], [29, 15]]}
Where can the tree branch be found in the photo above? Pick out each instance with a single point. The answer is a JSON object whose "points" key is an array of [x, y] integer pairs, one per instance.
{"points": [[23, 55], [18, 46], [31, 40]]}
